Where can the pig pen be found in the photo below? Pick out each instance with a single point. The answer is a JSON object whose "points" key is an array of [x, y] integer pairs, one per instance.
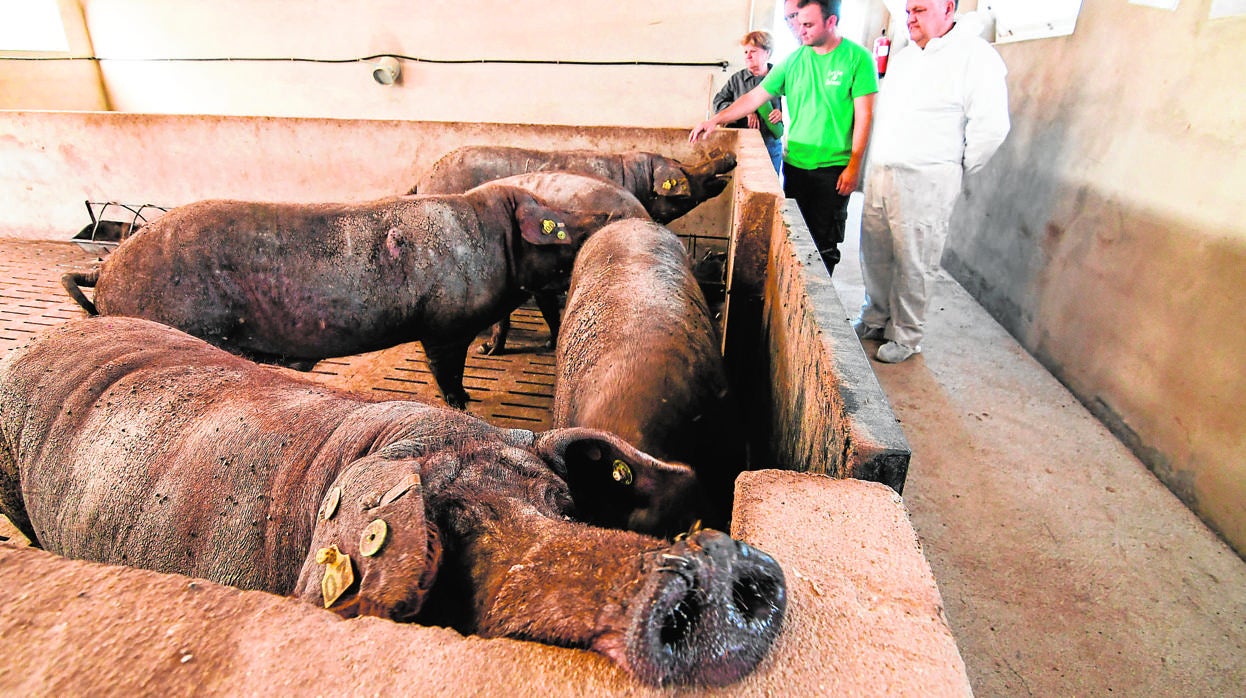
{"points": [[828, 458]]}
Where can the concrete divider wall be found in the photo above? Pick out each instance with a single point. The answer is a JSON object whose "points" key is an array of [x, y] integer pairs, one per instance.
{"points": [[815, 402], [53, 161], [830, 414]]}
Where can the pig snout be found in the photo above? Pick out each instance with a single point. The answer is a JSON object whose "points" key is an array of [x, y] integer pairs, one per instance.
{"points": [[714, 606]]}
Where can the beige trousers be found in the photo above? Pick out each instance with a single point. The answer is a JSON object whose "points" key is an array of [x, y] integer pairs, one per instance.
{"points": [[904, 225]]}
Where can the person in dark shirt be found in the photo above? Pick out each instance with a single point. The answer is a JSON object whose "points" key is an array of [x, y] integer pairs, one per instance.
{"points": [[757, 48]]}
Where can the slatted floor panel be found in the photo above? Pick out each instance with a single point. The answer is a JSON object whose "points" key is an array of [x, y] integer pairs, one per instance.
{"points": [[514, 390]]}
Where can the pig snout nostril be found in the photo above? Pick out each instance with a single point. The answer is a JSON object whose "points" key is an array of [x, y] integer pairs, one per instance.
{"points": [[676, 627], [716, 609], [753, 596], [677, 624]]}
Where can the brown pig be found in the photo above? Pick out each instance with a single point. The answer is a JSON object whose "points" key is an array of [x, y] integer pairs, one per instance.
{"points": [[296, 283], [638, 355], [666, 187], [127, 442], [572, 192]]}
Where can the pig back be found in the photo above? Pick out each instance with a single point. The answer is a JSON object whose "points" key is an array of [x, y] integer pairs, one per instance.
{"points": [[469, 166], [638, 354], [578, 192], [135, 444], [305, 280]]}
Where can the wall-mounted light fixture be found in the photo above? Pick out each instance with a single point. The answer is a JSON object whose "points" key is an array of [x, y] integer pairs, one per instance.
{"points": [[386, 70]]}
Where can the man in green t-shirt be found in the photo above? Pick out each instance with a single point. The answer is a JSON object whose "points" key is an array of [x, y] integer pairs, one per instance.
{"points": [[829, 83]]}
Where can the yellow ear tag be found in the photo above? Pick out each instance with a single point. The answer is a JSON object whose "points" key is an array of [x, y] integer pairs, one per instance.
{"points": [[547, 226], [562, 234], [373, 538], [696, 526], [622, 473], [330, 504], [668, 184], [338, 573]]}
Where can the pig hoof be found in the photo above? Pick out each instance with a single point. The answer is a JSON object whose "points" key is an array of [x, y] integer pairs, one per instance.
{"points": [[300, 364], [490, 349], [457, 400]]}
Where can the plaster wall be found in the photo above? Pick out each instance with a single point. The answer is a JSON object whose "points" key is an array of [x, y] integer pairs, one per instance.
{"points": [[1109, 235], [26, 80], [135, 39], [54, 161]]}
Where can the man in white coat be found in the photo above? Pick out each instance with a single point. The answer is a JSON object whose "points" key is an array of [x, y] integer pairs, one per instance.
{"points": [[942, 112]]}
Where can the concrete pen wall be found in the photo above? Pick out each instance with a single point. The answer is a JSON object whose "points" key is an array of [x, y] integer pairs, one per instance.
{"points": [[1109, 235]]}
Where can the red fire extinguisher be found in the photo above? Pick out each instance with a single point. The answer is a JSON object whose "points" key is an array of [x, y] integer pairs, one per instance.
{"points": [[882, 47]]}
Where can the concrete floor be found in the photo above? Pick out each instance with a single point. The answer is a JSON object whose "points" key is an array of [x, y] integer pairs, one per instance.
{"points": [[1066, 567]]}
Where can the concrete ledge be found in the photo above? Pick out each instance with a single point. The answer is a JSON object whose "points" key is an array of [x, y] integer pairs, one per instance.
{"points": [[829, 414], [864, 618], [863, 611]]}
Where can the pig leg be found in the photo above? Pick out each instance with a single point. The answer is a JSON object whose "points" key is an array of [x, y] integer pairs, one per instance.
{"points": [[446, 361], [496, 343], [12, 506], [551, 310]]}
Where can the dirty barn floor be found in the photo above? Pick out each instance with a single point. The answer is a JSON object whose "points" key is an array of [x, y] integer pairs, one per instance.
{"points": [[1066, 569]]}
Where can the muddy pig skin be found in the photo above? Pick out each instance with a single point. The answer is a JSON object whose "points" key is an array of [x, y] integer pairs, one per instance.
{"points": [[638, 355], [571, 192], [666, 187], [296, 283], [127, 442]]}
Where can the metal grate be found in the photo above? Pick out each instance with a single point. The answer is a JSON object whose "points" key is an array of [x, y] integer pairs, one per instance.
{"points": [[514, 390], [112, 222]]}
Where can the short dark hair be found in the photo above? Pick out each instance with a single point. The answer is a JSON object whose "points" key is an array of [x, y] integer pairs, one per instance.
{"points": [[829, 7]]}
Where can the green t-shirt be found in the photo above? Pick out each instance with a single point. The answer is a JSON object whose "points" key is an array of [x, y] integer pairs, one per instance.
{"points": [[820, 89]]}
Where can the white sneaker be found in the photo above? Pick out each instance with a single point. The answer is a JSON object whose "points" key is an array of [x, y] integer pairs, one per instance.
{"points": [[894, 352]]}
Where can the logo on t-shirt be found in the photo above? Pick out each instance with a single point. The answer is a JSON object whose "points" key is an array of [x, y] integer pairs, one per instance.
{"points": [[834, 78]]}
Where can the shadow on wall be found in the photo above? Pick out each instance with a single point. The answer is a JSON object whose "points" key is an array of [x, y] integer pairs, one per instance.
{"points": [[1135, 311]]}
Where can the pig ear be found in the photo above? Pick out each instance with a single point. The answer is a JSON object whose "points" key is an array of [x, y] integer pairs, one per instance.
{"points": [[543, 225], [615, 485], [373, 551], [669, 179]]}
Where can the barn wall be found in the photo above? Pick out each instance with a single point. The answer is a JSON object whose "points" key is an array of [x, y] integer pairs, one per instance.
{"points": [[54, 161], [1109, 235], [136, 36], [54, 84]]}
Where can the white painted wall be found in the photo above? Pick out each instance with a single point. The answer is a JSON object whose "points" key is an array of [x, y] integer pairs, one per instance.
{"points": [[134, 36]]}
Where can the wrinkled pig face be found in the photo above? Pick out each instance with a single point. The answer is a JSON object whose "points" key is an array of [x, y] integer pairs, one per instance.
{"points": [[679, 188], [702, 610]]}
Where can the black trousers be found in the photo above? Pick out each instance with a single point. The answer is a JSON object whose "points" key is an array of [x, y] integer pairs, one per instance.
{"points": [[825, 210]]}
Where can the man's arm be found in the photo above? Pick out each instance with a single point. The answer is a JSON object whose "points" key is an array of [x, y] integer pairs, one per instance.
{"points": [[986, 110], [739, 109], [862, 119]]}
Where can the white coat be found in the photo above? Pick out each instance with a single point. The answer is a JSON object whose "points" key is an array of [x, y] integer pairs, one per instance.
{"points": [[942, 111]]}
